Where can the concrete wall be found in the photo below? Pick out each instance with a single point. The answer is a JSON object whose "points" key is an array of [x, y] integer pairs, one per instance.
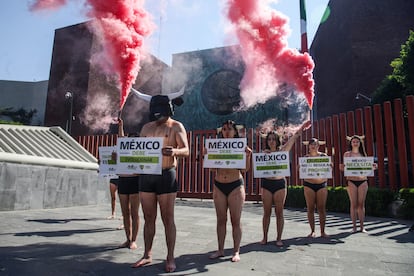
{"points": [[24, 187]]}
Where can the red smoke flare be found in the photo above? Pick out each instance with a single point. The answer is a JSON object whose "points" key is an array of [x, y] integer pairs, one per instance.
{"points": [[123, 24], [262, 33]]}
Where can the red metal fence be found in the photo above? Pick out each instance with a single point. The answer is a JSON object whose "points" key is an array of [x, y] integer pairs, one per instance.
{"points": [[389, 136]]}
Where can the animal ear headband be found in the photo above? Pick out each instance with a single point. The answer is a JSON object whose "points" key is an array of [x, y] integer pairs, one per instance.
{"points": [[320, 143], [349, 138], [238, 127]]}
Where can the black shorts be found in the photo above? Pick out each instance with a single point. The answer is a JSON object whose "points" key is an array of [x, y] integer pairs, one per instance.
{"points": [[128, 185], [114, 181], [159, 184]]}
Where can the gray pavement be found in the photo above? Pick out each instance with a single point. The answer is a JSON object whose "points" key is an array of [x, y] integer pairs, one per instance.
{"points": [[81, 241]]}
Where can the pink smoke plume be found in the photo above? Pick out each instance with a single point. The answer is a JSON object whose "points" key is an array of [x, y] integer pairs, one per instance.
{"points": [[262, 33], [46, 5], [123, 26]]}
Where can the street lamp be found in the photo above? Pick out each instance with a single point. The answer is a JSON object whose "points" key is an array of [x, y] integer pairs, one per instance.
{"points": [[69, 98], [359, 96]]}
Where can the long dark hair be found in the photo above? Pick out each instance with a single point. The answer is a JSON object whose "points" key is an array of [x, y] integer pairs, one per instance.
{"points": [[233, 125], [277, 137], [361, 148]]}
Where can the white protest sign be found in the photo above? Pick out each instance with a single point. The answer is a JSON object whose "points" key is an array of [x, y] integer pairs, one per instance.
{"points": [[359, 166], [315, 167], [271, 164], [107, 164], [226, 153], [139, 155]]}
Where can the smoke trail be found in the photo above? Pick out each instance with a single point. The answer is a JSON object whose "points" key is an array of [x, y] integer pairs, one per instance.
{"points": [[46, 5], [262, 33], [122, 26]]}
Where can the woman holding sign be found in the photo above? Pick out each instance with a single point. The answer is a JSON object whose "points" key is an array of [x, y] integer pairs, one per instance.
{"points": [[315, 191], [128, 192], [357, 185], [274, 188], [229, 194]]}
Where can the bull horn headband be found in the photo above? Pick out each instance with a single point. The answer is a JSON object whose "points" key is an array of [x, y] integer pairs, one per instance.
{"points": [[349, 138], [147, 98]]}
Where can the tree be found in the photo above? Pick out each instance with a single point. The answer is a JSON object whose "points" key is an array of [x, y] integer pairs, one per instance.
{"points": [[19, 116], [401, 82]]}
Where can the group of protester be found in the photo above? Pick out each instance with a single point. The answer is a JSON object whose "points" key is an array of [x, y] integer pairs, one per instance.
{"points": [[229, 190]]}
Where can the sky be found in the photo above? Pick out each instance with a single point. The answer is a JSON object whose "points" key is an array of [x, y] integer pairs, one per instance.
{"points": [[181, 26]]}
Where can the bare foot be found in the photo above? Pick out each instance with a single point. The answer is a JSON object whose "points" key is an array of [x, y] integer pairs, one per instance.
{"points": [[363, 230], [312, 235], [120, 227], [354, 230], [133, 245], [170, 265], [111, 217], [216, 255], [236, 257], [279, 243], [263, 242], [143, 261], [124, 245], [324, 235]]}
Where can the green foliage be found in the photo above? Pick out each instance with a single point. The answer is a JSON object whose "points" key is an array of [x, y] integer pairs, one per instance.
{"points": [[407, 208], [295, 197], [20, 116], [401, 82], [377, 202], [337, 200]]}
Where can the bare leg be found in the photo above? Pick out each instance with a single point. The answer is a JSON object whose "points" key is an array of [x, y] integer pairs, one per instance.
{"points": [[149, 208], [134, 202], [112, 190], [279, 199], [220, 203], [166, 202], [321, 197], [310, 197], [235, 203], [126, 214], [267, 212], [353, 198], [362, 194]]}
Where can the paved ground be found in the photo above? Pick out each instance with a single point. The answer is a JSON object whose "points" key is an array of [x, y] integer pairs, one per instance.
{"points": [[81, 241]]}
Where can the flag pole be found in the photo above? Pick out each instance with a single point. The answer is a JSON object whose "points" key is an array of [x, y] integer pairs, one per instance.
{"points": [[304, 40]]}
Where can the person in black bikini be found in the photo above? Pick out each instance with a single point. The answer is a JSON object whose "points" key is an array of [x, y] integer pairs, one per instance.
{"points": [[315, 192], [274, 189], [229, 194], [357, 185]]}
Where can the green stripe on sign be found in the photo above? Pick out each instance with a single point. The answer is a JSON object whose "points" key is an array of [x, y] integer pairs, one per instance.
{"points": [[225, 156], [139, 159], [318, 160], [359, 169], [268, 168]]}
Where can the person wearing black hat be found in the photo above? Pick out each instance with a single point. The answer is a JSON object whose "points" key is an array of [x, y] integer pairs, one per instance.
{"points": [[162, 189]]}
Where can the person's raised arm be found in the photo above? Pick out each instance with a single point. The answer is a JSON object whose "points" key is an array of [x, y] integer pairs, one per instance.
{"points": [[288, 145], [120, 128]]}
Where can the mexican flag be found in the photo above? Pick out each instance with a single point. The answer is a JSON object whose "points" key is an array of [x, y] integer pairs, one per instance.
{"points": [[304, 36]]}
